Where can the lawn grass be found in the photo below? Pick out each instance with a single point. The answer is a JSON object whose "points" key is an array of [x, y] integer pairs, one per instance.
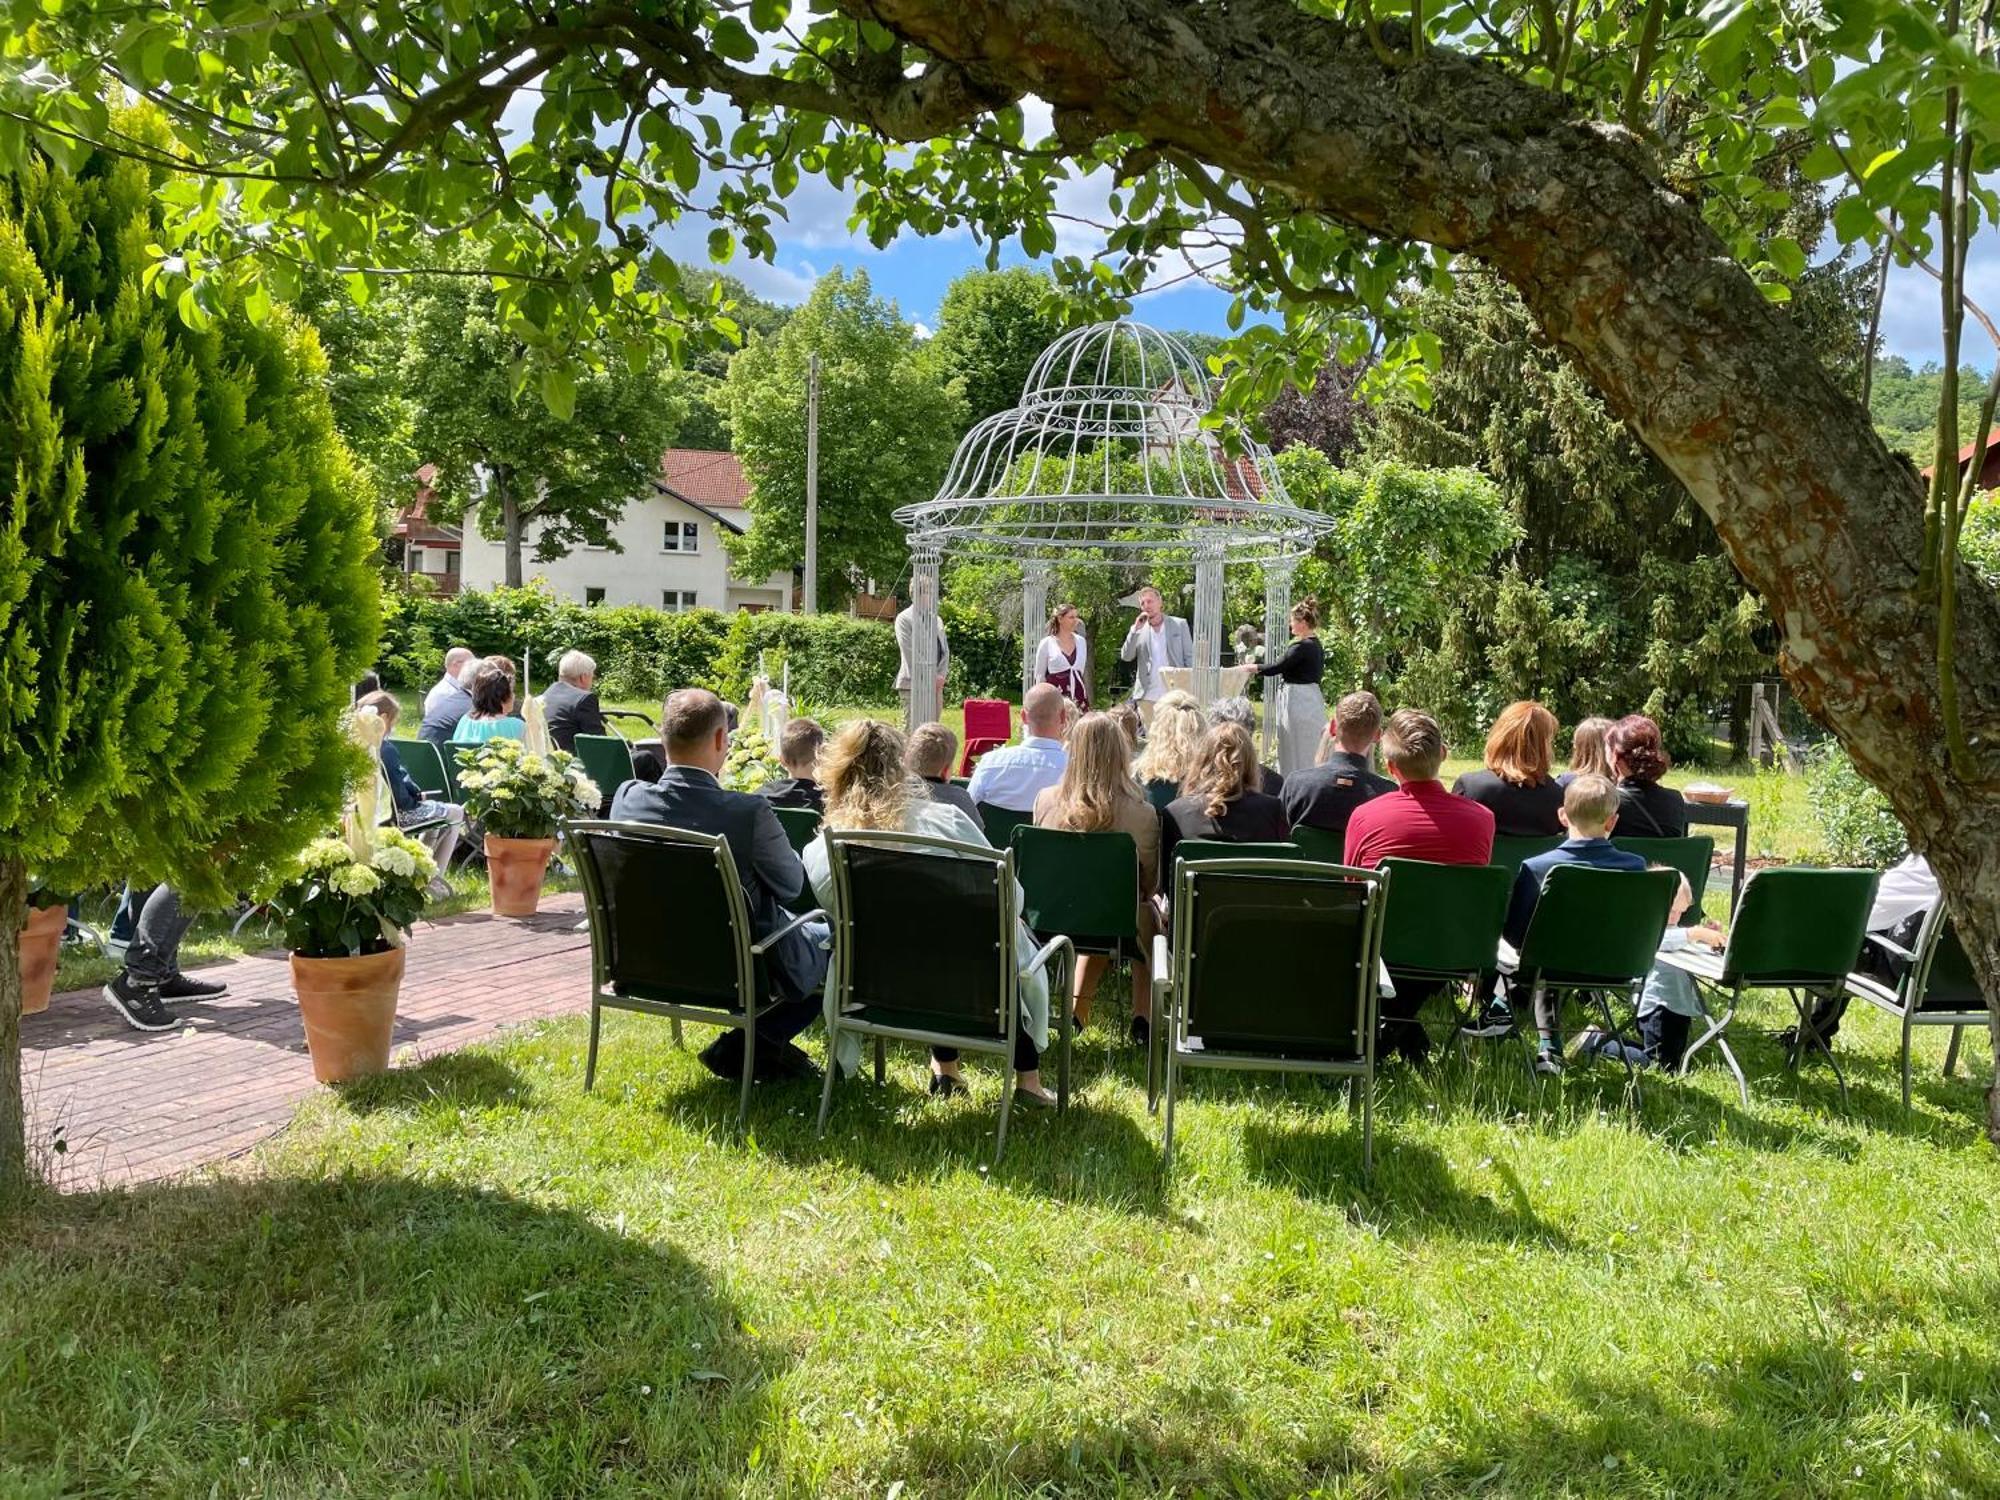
{"points": [[471, 1279]]}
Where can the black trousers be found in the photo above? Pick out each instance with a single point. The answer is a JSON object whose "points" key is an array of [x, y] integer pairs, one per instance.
{"points": [[1026, 1058], [1400, 1031], [1876, 963]]}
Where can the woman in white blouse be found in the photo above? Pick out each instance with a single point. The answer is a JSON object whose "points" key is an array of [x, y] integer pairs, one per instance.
{"points": [[863, 772], [1062, 659]]}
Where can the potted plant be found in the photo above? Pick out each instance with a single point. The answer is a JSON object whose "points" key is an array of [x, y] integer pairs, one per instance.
{"points": [[348, 911], [517, 797], [41, 946]]}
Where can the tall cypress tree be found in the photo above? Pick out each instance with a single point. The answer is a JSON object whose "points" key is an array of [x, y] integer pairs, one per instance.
{"points": [[185, 589]]}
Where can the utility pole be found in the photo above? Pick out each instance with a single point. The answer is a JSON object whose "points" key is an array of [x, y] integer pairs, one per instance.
{"points": [[812, 484]]}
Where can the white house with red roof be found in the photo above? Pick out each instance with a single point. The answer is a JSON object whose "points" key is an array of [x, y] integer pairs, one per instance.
{"points": [[672, 555]]}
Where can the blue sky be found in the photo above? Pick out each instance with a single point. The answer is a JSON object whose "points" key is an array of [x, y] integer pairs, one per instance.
{"points": [[915, 272]]}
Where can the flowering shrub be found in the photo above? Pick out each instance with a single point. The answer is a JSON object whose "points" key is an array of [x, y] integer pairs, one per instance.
{"points": [[753, 760], [338, 905], [515, 794]]}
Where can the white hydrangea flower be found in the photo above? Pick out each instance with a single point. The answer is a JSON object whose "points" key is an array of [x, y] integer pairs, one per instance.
{"points": [[391, 860], [355, 880]]}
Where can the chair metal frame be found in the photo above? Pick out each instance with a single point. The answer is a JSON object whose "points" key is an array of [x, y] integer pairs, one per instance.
{"points": [[1905, 1001], [744, 1016], [1057, 956], [1173, 969]]}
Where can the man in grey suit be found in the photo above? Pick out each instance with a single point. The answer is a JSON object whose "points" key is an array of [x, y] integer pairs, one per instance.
{"points": [[570, 704], [923, 596], [694, 732], [1157, 640]]}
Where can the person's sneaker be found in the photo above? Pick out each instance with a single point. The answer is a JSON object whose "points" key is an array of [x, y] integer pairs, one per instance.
{"points": [[1495, 1020], [946, 1086], [1140, 1031], [187, 987], [139, 1004], [1549, 1063]]}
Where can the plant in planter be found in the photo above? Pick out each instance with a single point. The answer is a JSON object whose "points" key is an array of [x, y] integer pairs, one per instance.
{"points": [[348, 910], [518, 797], [40, 946]]}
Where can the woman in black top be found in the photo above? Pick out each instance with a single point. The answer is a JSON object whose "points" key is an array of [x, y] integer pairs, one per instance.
{"points": [[1646, 810], [1222, 800], [1301, 706], [1517, 784]]}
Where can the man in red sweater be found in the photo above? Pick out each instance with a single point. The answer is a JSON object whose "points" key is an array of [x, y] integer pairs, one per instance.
{"points": [[1419, 820]]}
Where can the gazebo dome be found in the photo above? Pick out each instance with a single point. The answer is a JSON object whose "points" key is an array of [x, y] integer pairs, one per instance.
{"points": [[1107, 458]]}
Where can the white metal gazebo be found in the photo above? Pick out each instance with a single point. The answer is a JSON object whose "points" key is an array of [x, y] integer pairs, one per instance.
{"points": [[1111, 458]]}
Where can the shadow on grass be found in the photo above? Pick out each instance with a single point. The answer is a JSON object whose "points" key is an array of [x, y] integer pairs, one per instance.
{"points": [[364, 1334], [451, 1080]]}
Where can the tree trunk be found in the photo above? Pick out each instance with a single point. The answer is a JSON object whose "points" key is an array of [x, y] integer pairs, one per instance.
{"points": [[1624, 276], [13, 1111], [512, 524]]}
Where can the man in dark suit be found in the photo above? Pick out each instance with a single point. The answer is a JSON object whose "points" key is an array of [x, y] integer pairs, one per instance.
{"points": [[570, 704], [694, 732], [1325, 795]]}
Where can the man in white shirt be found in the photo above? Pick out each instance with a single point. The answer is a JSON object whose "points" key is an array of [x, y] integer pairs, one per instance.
{"points": [[1156, 641], [1014, 775], [454, 663], [1903, 897]]}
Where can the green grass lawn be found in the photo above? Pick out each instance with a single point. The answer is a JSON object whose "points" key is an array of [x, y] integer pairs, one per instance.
{"points": [[470, 1279]]}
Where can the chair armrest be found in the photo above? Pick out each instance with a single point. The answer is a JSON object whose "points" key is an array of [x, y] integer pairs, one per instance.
{"points": [[1046, 952], [758, 949], [1897, 950]]}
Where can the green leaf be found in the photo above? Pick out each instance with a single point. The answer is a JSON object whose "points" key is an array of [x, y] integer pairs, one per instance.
{"points": [[721, 245], [1786, 255], [559, 391], [732, 40], [1854, 219]]}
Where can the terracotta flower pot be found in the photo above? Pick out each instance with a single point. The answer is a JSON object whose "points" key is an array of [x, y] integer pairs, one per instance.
{"points": [[349, 1007], [41, 945], [516, 868]]}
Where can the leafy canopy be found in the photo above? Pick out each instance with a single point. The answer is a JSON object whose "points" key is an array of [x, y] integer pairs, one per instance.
{"points": [[992, 327], [359, 136]]}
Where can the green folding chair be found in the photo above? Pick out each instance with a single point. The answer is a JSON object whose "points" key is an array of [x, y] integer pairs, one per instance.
{"points": [[448, 756], [670, 933], [926, 950], [1938, 988], [801, 825], [607, 760], [1000, 823], [1196, 850], [1795, 930], [1594, 932], [1082, 886], [1444, 926], [425, 763], [1318, 844], [1510, 852], [1692, 856], [1274, 965]]}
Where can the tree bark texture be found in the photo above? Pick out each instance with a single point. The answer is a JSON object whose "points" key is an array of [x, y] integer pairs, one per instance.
{"points": [[13, 1111], [1624, 276], [512, 524]]}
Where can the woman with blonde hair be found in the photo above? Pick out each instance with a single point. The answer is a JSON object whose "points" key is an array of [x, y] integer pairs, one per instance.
{"points": [[863, 770], [1587, 755], [1518, 784], [1172, 741], [1098, 795], [1221, 798], [1300, 705]]}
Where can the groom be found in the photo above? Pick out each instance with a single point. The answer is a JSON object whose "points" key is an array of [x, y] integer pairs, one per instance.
{"points": [[1156, 641]]}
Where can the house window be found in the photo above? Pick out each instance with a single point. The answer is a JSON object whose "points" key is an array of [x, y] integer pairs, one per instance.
{"points": [[676, 600], [681, 536], [451, 564], [593, 596]]}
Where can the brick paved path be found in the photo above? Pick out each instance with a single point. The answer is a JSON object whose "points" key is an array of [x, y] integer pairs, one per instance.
{"points": [[134, 1106]]}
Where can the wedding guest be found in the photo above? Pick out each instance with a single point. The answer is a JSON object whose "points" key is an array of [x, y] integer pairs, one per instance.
{"points": [[932, 748], [1517, 784]]}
